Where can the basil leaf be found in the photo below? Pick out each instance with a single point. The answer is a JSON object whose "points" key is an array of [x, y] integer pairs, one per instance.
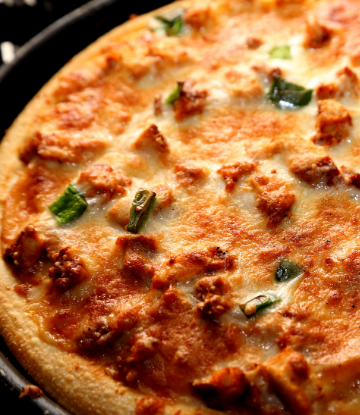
{"points": [[175, 94], [68, 206], [257, 304], [287, 270], [280, 52], [139, 212], [172, 27], [286, 95]]}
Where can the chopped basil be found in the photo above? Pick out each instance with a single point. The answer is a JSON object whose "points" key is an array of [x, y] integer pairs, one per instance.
{"points": [[172, 27], [175, 94], [140, 209], [258, 303], [68, 206], [286, 95], [287, 270], [280, 52]]}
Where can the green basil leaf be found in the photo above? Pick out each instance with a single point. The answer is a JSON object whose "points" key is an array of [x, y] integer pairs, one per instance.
{"points": [[286, 95], [68, 206], [173, 26]]}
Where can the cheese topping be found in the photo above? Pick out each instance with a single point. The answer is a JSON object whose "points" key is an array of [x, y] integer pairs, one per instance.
{"points": [[235, 287]]}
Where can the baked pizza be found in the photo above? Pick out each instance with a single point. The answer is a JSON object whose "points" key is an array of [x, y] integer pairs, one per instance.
{"points": [[180, 222]]}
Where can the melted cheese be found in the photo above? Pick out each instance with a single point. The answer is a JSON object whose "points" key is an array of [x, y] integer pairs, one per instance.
{"points": [[318, 313]]}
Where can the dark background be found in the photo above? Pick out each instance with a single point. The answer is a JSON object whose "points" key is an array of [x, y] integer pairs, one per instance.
{"points": [[20, 22], [35, 64]]}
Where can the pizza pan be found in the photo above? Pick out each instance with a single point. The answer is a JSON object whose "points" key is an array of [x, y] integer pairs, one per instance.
{"points": [[20, 80]]}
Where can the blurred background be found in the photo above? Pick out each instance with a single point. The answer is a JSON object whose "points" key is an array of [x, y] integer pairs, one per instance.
{"points": [[20, 20]]}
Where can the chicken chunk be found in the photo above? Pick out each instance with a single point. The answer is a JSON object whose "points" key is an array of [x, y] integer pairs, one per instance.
{"points": [[233, 172], [332, 123], [222, 388], [274, 197]]}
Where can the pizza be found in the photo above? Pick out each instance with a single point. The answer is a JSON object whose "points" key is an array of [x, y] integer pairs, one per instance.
{"points": [[180, 215]]}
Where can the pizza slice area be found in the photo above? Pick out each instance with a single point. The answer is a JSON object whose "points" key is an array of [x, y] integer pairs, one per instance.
{"points": [[186, 215]]}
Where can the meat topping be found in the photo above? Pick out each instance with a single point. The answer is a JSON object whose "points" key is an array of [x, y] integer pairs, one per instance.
{"points": [[68, 270], [103, 179], [233, 172], [212, 293], [346, 84], [190, 102], [274, 197], [26, 251], [138, 256], [188, 174], [61, 148], [314, 167], [221, 389], [152, 138], [332, 122], [290, 376]]}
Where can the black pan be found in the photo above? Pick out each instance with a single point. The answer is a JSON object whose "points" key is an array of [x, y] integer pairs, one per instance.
{"points": [[34, 65]]}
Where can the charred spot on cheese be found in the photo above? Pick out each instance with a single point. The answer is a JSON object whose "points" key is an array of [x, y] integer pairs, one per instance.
{"points": [[332, 122], [152, 138], [213, 295], [260, 303], [346, 84], [69, 206], [286, 95], [274, 197], [280, 52], [68, 270], [26, 251], [141, 207], [223, 388], [104, 180], [287, 270], [233, 172], [314, 166], [186, 100]]}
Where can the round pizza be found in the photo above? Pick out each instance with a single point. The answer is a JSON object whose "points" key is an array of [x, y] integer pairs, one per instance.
{"points": [[180, 216]]}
